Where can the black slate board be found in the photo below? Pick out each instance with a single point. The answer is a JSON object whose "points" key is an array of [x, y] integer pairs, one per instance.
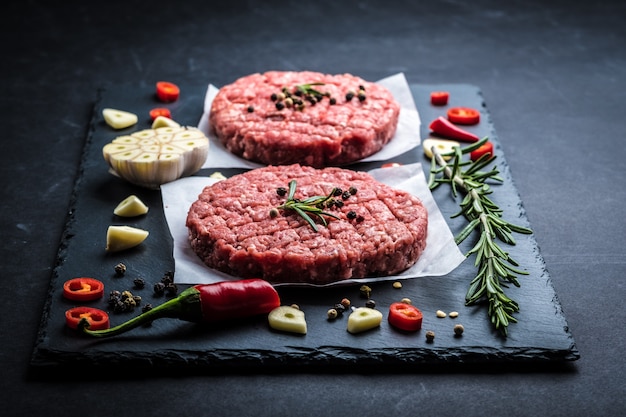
{"points": [[541, 334]]}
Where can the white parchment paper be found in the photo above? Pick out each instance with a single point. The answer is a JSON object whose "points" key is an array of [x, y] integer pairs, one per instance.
{"points": [[407, 134], [440, 257]]}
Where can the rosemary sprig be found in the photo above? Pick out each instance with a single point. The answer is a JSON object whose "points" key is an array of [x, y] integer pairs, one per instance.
{"points": [[496, 269], [308, 89], [313, 205]]}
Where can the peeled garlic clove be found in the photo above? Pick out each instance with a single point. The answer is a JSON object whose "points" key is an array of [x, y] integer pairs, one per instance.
{"points": [[152, 157], [119, 119], [363, 319], [287, 319], [162, 121], [124, 237], [442, 146], [131, 206]]}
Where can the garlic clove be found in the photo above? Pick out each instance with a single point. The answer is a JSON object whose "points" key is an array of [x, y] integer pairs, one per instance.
{"points": [[287, 319], [441, 145], [124, 237], [162, 121], [363, 319], [119, 119], [131, 206]]}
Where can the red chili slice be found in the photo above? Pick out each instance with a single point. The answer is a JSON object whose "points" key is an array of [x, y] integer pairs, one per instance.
{"points": [[83, 289], [464, 115], [439, 98], [405, 317], [98, 319], [160, 111], [167, 92], [486, 148]]}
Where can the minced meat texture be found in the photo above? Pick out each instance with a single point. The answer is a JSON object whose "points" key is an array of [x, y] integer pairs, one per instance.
{"points": [[231, 228], [333, 130]]}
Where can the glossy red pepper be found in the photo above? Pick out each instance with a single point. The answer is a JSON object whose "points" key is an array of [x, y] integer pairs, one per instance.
{"points": [[160, 111], [405, 317], [167, 92], [83, 289], [463, 115], [439, 98], [485, 148], [97, 319], [222, 301], [443, 127]]}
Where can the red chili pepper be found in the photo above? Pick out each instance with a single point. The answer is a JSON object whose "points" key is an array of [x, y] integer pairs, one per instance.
{"points": [[445, 128], [83, 289], [97, 319], [207, 303], [405, 317], [167, 91], [486, 148], [439, 98], [160, 111], [463, 115]]}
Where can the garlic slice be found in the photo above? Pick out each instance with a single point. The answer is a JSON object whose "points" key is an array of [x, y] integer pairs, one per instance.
{"points": [[152, 157]]}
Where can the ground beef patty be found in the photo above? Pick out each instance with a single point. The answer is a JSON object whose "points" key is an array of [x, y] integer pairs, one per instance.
{"points": [[380, 231], [254, 121]]}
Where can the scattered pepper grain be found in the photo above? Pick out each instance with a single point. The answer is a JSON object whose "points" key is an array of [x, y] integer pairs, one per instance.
{"points": [[120, 269], [430, 336], [397, 285], [458, 329]]}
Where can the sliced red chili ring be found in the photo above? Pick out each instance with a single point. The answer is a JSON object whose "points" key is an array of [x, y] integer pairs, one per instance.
{"points": [[486, 148], [439, 98], [98, 319], [405, 317], [83, 289], [167, 91], [160, 111], [463, 115]]}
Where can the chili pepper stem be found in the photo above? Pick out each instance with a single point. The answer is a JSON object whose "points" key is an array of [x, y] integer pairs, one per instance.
{"points": [[187, 306]]}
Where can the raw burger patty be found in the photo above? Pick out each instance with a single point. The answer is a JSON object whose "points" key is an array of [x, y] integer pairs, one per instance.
{"points": [[246, 120], [231, 229]]}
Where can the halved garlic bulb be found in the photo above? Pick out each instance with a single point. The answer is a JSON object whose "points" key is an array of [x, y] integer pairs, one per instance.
{"points": [[152, 157]]}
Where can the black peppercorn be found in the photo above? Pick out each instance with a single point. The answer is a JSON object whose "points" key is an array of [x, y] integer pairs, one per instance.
{"points": [[159, 288], [281, 191], [370, 303], [139, 283], [120, 269], [250, 109], [351, 214]]}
